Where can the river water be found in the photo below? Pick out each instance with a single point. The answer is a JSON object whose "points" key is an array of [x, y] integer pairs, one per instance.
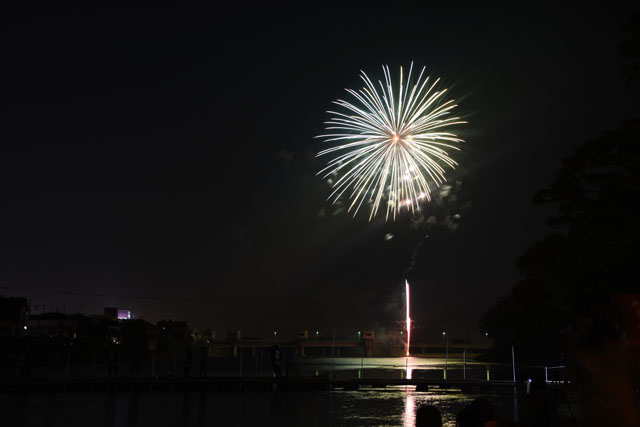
{"points": [[391, 407], [394, 406]]}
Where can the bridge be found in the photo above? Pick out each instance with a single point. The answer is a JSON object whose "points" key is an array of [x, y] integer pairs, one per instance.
{"points": [[367, 342], [252, 384]]}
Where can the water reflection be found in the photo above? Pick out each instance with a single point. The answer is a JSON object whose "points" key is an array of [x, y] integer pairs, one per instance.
{"points": [[515, 405], [409, 416], [202, 408], [395, 406], [110, 403], [186, 404], [134, 402]]}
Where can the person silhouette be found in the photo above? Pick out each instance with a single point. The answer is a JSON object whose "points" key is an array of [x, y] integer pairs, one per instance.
{"points": [[275, 360], [112, 361], [203, 361], [188, 359], [24, 365]]}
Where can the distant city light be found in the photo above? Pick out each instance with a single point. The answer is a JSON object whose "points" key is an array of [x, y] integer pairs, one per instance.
{"points": [[25, 327]]}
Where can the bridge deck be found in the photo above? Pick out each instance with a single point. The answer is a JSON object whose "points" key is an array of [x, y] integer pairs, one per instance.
{"points": [[246, 384]]}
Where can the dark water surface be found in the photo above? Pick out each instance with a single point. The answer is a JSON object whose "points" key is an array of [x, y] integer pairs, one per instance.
{"points": [[391, 407], [388, 407]]}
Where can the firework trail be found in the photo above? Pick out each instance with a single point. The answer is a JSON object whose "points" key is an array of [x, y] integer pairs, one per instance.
{"points": [[408, 317], [392, 144]]}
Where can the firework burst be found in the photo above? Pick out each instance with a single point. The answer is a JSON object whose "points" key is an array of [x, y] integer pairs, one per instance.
{"points": [[391, 146]]}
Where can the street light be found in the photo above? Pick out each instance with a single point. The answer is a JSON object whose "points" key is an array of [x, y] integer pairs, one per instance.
{"points": [[274, 335], [358, 335], [486, 338], [317, 333]]}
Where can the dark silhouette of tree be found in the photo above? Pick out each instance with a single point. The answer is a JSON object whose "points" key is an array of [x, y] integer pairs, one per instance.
{"points": [[594, 248], [631, 50]]}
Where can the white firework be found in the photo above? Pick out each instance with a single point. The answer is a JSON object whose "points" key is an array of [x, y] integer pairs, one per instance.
{"points": [[392, 146]]}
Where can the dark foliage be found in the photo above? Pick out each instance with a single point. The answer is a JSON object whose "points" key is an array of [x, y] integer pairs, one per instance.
{"points": [[593, 250]]}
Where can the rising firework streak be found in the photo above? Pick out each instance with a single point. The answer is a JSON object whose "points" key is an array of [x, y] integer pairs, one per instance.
{"points": [[408, 317], [392, 144]]}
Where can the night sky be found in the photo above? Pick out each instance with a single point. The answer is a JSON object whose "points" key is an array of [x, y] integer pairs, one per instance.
{"points": [[163, 160]]}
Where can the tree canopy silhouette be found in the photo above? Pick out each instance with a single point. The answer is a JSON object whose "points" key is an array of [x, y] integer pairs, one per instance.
{"points": [[593, 250]]}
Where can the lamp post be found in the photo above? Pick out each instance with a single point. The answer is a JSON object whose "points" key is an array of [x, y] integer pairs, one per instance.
{"points": [[275, 335], [360, 373], [486, 338], [317, 333]]}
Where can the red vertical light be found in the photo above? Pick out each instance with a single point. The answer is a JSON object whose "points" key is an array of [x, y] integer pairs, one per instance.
{"points": [[408, 317]]}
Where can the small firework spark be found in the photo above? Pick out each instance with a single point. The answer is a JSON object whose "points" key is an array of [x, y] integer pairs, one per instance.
{"points": [[392, 144]]}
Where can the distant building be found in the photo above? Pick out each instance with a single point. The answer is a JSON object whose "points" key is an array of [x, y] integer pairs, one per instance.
{"points": [[117, 313], [179, 328], [173, 334], [53, 325], [234, 335], [14, 313], [203, 335]]}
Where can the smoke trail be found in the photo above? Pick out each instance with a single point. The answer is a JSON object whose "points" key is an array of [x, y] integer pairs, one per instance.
{"points": [[412, 264], [445, 212]]}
